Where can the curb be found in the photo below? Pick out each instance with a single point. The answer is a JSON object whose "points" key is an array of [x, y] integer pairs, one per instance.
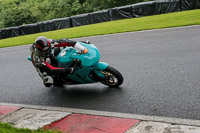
{"points": [[85, 121]]}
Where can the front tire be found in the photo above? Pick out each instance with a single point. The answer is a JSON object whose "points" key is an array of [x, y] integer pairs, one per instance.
{"points": [[113, 77]]}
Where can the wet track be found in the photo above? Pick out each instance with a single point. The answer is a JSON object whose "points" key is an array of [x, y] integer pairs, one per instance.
{"points": [[161, 70]]}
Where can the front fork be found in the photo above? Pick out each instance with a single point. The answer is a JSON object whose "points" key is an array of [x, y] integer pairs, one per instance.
{"points": [[100, 67]]}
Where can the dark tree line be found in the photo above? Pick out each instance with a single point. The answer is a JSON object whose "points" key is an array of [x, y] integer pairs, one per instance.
{"points": [[20, 12]]}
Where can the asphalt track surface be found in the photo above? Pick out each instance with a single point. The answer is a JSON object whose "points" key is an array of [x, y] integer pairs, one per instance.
{"points": [[161, 70]]}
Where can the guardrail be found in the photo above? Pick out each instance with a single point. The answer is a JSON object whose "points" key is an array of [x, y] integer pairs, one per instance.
{"points": [[130, 11]]}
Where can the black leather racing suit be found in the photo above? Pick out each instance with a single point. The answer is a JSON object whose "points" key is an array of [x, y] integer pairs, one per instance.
{"points": [[45, 64]]}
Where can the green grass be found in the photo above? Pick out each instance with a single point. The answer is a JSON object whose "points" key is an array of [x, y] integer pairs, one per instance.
{"points": [[177, 19], [7, 128]]}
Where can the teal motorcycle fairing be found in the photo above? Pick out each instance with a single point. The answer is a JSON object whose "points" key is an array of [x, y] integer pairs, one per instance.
{"points": [[29, 58], [89, 62]]}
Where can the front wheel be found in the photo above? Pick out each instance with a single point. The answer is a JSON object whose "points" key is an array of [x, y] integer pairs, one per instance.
{"points": [[113, 77]]}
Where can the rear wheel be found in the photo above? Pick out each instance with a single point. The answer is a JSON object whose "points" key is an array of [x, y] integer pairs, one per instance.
{"points": [[113, 77]]}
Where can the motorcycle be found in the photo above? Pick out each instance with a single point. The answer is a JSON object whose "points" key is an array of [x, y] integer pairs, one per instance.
{"points": [[88, 67]]}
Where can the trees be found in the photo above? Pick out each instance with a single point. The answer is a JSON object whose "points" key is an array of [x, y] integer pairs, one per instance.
{"points": [[1, 16], [19, 12], [16, 12], [105, 4]]}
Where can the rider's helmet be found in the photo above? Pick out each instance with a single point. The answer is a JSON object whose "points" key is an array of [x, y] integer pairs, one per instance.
{"points": [[43, 45]]}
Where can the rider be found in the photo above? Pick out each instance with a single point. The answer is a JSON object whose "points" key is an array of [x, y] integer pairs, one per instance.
{"points": [[44, 61]]}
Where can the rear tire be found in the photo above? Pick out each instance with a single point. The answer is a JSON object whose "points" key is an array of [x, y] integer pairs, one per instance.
{"points": [[113, 77]]}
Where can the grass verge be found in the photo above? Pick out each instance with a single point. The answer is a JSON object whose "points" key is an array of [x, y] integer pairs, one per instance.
{"points": [[6, 128], [184, 18]]}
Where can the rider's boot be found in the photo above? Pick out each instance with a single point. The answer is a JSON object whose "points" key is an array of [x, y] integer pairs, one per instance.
{"points": [[87, 42], [47, 80]]}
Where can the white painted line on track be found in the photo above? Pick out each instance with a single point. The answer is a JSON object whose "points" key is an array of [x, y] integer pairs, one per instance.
{"points": [[111, 114]]}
